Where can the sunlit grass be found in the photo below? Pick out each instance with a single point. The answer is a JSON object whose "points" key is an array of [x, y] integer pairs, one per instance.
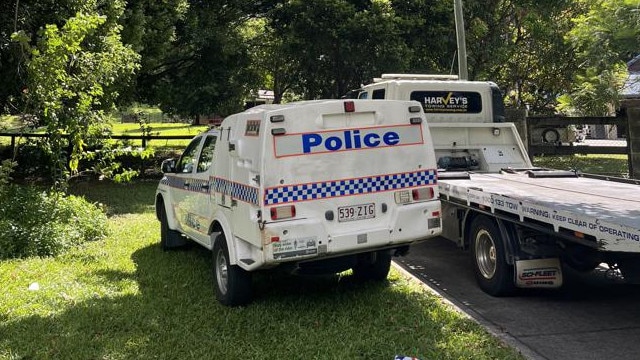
{"points": [[612, 165], [124, 298]]}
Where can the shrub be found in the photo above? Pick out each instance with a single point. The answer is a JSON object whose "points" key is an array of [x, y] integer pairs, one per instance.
{"points": [[40, 223]]}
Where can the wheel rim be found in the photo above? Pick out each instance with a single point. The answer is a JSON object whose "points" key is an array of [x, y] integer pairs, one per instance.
{"points": [[222, 274], [486, 254]]}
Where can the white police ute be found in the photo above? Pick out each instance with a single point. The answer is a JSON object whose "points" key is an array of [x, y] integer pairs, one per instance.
{"points": [[317, 186]]}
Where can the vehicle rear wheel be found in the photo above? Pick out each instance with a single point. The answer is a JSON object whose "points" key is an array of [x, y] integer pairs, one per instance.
{"points": [[232, 283], [373, 266], [493, 274], [169, 239]]}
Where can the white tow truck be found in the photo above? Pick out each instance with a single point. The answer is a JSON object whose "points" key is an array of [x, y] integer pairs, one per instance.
{"points": [[319, 186], [520, 222]]}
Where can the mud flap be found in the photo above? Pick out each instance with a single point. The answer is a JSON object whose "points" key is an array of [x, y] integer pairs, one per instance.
{"points": [[539, 273]]}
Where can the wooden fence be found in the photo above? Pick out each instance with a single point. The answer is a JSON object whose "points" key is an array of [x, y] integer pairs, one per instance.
{"points": [[143, 138], [568, 135]]}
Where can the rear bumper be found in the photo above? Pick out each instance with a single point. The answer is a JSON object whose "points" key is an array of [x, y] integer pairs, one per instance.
{"points": [[306, 239]]}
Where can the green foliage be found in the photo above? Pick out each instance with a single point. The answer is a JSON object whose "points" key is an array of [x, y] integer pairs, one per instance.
{"points": [[124, 298], [37, 223], [7, 167], [202, 58], [594, 93], [194, 58], [428, 30], [604, 37], [334, 45], [520, 45], [72, 74]]}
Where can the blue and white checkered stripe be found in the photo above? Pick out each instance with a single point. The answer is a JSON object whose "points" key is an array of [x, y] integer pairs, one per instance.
{"points": [[197, 185], [366, 185], [236, 190]]}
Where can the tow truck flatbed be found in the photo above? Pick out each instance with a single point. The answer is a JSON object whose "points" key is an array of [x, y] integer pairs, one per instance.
{"points": [[521, 224], [607, 212]]}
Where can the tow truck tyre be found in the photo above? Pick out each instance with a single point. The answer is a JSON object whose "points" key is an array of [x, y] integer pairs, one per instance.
{"points": [[169, 239], [373, 266], [494, 275], [232, 283]]}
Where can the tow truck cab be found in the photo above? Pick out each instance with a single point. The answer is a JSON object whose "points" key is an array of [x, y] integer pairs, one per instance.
{"points": [[466, 119]]}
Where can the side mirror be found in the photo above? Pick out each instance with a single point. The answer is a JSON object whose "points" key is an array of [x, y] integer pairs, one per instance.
{"points": [[168, 166]]}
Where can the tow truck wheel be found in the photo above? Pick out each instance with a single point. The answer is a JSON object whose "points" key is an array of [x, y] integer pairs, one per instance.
{"points": [[373, 266], [494, 275], [169, 239], [232, 283]]}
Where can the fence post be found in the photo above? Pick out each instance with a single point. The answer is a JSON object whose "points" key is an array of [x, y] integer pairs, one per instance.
{"points": [[633, 141]]}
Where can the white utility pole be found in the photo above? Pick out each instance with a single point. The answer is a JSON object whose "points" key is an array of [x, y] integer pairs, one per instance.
{"points": [[463, 74]]}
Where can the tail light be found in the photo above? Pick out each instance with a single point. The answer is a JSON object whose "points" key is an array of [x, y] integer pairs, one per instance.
{"points": [[421, 194], [413, 195], [349, 106], [283, 212]]}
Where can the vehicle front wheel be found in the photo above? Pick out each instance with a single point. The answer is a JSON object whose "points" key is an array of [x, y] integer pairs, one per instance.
{"points": [[169, 239], [373, 266], [232, 283], [493, 274]]}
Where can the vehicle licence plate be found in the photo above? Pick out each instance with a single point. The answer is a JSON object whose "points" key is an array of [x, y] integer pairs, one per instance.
{"points": [[356, 212]]}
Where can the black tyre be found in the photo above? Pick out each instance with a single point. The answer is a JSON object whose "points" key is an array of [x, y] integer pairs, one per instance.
{"points": [[493, 274], [169, 239], [232, 283], [373, 266]]}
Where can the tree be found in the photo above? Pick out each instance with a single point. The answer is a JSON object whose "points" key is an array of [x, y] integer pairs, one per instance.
{"points": [[605, 37], [428, 29], [73, 73], [269, 59], [520, 45], [195, 58], [335, 45], [27, 16]]}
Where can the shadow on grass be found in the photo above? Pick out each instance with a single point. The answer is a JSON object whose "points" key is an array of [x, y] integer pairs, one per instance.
{"points": [[119, 199], [174, 316]]}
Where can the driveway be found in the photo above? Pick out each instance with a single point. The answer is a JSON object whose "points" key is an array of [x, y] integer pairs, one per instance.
{"points": [[594, 316]]}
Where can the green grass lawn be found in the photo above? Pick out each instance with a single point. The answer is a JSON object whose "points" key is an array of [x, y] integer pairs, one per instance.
{"points": [[612, 165], [157, 129], [124, 298]]}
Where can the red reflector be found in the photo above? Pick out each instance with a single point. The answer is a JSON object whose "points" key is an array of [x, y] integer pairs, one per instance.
{"points": [[422, 193], [435, 214], [282, 212], [415, 194], [349, 106], [275, 239]]}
